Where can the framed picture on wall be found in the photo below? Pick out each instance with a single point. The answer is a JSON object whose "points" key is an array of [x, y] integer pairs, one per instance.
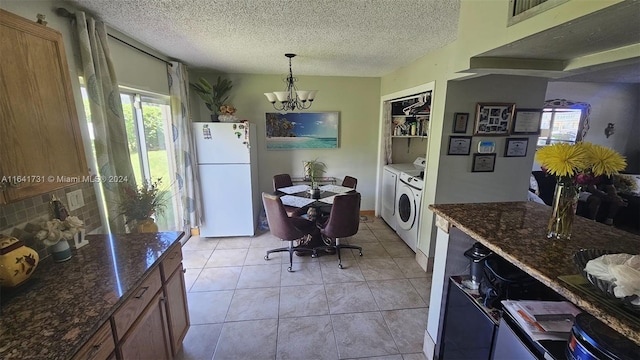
{"points": [[527, 122], [459, 145], [460, 123], [295, 131], [483, 162], [493, 118], [516, 147]]}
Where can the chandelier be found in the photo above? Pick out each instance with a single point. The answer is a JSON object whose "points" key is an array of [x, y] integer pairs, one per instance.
{"points": [[292, 98]]}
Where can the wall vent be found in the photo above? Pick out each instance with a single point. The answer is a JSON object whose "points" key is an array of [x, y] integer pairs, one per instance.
{"points": [[520, 10], [520, 6]]}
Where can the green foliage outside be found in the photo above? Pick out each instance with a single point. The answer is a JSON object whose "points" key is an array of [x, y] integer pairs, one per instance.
{"points": [[153, 126]]}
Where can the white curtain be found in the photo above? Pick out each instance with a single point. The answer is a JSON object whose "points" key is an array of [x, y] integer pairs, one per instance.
{"points": [[184, 149], [111, 146], [388, 141]]}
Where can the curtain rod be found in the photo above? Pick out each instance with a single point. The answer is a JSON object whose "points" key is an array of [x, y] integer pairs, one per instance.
{"points": [[65, 13]]}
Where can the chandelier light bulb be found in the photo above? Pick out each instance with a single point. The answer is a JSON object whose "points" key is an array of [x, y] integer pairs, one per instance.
{"points": [[292, 98]]}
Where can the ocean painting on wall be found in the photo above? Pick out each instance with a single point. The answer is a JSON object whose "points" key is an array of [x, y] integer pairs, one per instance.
{"points": [[292, 131]]}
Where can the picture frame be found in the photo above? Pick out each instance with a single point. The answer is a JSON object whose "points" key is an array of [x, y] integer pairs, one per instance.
{"points": [[483, 162], [493, 118], [516, 147], [526, 122], [460, 121], [459, 145], [308, 130]]}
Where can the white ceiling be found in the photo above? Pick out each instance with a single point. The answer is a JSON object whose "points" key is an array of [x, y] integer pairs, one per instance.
{"points": [[331, 37]]}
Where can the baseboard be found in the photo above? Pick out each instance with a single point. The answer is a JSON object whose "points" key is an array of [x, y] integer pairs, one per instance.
{"points": [[367, 213], [424, 261], [429, 346]]}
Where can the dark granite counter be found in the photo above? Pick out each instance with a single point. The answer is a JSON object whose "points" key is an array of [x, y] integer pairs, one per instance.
{"points": [[64, 304], [517, 232]]}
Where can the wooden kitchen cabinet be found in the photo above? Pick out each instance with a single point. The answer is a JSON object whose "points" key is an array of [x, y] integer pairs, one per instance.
{"points": [[175, 292], [41, 146], [177, 311], [149, 335], [99, 347]]}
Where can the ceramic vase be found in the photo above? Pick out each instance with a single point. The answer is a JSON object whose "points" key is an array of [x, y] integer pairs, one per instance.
{"points": [[61, 251], [17, 261], [147, 226], [565, 202]]}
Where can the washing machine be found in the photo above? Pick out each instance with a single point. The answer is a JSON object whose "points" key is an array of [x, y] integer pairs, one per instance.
{"points": [[390, 175], [408, 203]]}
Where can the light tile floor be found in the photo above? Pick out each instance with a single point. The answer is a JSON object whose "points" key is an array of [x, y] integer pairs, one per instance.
{"points": [[243, 307]]}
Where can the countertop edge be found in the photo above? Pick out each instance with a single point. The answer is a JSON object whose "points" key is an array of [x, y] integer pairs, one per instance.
{"points": [[554, 284], [99, 323]]}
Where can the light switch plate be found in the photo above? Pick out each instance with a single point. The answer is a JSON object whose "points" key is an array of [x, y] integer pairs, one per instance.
{"points": [[75, 200]]}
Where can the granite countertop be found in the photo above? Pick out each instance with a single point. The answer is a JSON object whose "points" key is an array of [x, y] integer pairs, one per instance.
{"points": [[63, 304], [517, 232]]}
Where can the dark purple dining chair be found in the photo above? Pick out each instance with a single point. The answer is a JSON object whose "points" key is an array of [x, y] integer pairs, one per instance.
{"points": [[350, 182], [344, 220], [284, 180], [286, 228]]}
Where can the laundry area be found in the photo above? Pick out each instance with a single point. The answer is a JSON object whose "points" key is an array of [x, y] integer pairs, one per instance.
{"points": [[407, 121]]}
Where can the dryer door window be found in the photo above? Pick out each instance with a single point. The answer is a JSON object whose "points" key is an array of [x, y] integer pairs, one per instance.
{"points": [[406, 209]]}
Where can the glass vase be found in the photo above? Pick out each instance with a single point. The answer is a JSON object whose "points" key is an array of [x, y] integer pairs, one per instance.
{"points": [[565, 201]]}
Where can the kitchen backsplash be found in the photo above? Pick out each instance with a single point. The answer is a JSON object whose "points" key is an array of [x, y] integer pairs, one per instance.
{"points": [[14, 216]]}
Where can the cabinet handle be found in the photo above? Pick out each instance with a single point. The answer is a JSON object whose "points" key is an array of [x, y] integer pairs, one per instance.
{"points": [[144, 290], [94, 350]]}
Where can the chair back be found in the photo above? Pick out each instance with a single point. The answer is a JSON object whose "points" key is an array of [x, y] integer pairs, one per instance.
{"points": [[281, 180], [280, 224], [350, 182], [344, 218]]}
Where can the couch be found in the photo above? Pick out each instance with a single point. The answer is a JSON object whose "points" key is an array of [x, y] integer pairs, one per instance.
{"points": [[627, 218]]}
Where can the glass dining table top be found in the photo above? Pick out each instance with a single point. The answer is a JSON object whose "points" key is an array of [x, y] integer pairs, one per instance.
{"points": [[302, 195]]}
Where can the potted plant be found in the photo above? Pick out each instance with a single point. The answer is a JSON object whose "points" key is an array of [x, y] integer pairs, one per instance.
{"points": [[213, 95], [314, 169], [139, 204]]}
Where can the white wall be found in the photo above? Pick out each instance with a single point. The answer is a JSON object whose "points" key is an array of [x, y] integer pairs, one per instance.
{"points": [[510, 180], [357, 101], [610, 103]]}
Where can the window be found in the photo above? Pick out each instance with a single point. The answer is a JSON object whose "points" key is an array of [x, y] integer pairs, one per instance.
{"points": [[563, 121], [148, 120]]}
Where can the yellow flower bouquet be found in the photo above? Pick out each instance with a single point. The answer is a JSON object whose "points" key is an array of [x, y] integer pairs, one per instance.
{"points": [[574, 165]]}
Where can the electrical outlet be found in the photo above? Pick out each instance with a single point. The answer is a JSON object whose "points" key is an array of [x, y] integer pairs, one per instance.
{"points": [[75, 200]]}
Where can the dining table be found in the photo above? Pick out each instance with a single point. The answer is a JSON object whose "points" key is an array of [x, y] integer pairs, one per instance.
{"points": [[317, 203]]}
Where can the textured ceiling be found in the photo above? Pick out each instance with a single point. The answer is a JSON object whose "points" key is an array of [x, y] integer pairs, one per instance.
{"points": [[331, 37]]}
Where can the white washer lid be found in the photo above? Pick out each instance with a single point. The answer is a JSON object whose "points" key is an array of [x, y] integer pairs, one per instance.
{"points": [[398, 168]]}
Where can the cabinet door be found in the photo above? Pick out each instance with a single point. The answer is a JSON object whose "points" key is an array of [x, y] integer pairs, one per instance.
{"points": [[39, 119], [509, 346], [148, 337], [468, 331], [177, 310]]}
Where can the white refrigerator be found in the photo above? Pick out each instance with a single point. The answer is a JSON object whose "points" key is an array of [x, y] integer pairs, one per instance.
{"points": [[228, 170]]}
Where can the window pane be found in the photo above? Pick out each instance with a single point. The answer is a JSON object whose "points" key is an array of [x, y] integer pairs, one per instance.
{"points": [[565, 125], [155, 117], [129, 120]]}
